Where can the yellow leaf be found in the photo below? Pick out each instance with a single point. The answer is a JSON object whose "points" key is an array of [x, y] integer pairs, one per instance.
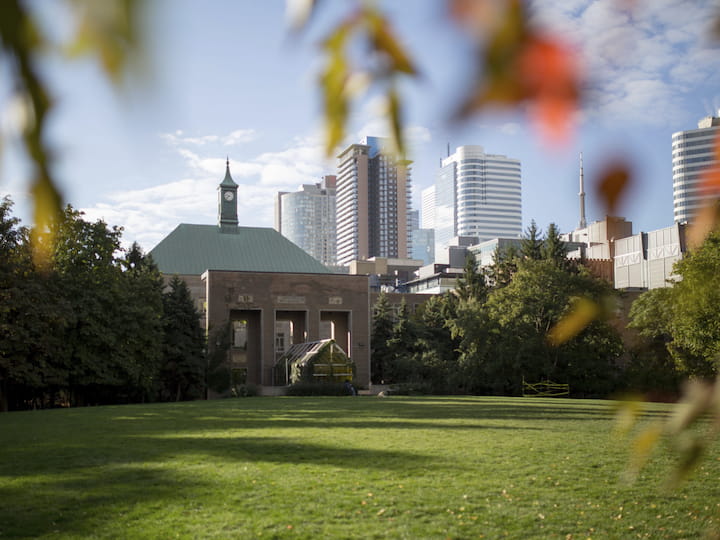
{"points": [[396, 122], [642, 446], [47, 210], [384, 41], [582, 313]]}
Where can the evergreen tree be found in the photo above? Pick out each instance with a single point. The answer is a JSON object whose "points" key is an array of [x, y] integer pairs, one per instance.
{"points": [[505, 264], [554, 249], [401, 365], [472, 284], [140, 323], [382, 332], [531, 243], [183, 362]]}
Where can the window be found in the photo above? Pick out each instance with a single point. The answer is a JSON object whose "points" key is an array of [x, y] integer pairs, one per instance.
{"points": [[239, 339]]}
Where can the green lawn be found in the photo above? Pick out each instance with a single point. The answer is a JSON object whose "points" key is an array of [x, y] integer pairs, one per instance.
{"points": [[365, 467]]}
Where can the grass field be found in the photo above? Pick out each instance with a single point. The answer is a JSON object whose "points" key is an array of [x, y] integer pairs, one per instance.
{"points": [[401, 467]]}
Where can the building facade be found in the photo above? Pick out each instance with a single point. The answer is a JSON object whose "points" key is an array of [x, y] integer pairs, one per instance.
{"points": [[693, 153], [646, 260], [265, 292], [477, 194], [373, 203], [307, 218]]}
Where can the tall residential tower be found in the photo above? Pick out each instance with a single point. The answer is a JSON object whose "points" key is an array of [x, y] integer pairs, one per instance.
{"points": [[477, 194], [693, 152], [373, 203], [307, 218]]}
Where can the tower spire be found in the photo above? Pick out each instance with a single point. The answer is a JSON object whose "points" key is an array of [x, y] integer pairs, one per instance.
{"points": [[583, 222]]}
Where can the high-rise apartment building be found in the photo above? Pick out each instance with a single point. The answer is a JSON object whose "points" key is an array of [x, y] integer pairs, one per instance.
{"points": [[307, 218], [373, 203], [477, 195], [693, 152]]}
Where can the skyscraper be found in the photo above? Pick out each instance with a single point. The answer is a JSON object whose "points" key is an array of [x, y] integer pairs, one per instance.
{"points": [[693, 152], [307, 218], [373, 203], [477, 194], [427, 211]]}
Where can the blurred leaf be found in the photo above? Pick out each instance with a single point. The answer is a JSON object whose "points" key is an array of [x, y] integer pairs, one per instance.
{"points": [[550, 76], [697, 400], [519, 65], [613, 182], [396, 122], [628, 411], [477, 16], [642, 447], [48, 203], [582, 313], [107, 29], [707, 218], [689, 456], [384, 41], [333, 82], [299, 12]]}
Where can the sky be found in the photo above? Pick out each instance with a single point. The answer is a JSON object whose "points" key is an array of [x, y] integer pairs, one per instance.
{"points": [[229, 80]]}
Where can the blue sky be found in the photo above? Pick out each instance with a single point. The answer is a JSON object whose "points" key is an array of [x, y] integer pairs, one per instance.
{"points": [[226, 78]]}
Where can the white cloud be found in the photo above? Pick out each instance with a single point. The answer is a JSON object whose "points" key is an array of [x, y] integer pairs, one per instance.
{"points": [[150, 214], [633, 48], [238, 136]]}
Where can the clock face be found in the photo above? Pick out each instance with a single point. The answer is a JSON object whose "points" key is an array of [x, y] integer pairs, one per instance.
{"points": [[228, 195]]}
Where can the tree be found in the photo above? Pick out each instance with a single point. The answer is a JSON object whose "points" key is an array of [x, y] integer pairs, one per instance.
{"points": [[400, 365], [435, 347], [553, 249], [504, 266], [531, 244], [382, 332], [183, 361], [685, 317], [472, 284], [140, 323], [521, 316]]}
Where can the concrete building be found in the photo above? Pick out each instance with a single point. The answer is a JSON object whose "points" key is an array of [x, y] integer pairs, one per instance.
{"points": [[693, 152], [307, 218], [477, 194], [484, 252], [373, 203], [385, 274], [595, 244], [265, 291], [645, 260], [427, 209]]}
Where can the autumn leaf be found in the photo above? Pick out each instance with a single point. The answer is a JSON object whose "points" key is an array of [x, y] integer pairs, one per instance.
{"points": [[383, 41], [582, 313], [333, 83], [550, 78], [518, 65], [612, 183], [708, 216]]}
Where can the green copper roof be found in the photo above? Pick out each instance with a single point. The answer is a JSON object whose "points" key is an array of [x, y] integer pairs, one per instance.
{"points": [[228, 181], [192, 249]]}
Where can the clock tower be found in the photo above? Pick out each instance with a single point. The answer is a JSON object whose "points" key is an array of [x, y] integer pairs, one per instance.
{"points": [[227, 202]]}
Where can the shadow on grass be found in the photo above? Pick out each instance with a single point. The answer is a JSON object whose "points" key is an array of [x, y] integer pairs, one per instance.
{"points": [[61, 458], [80, 506]]}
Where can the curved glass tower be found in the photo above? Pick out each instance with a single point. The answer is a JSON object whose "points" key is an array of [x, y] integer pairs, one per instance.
{"points": [[477, 194], [693, 152]]}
